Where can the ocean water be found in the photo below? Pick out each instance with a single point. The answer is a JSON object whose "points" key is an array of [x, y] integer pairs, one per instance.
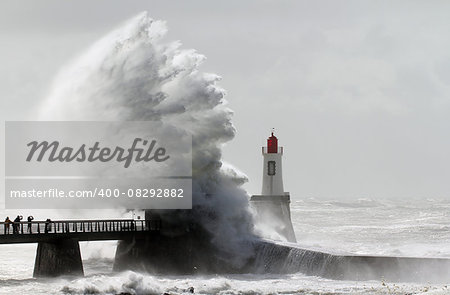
{"points": [[415, 228]]}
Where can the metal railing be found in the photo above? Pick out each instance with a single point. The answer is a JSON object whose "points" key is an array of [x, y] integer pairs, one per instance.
{"points": [[78, 226]]}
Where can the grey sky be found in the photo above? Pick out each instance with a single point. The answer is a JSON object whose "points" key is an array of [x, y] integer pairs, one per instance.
{"points": [[358, 91]]}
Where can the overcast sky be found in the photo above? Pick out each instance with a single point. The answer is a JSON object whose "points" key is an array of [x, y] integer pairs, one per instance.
{"points": [[358, 91]]}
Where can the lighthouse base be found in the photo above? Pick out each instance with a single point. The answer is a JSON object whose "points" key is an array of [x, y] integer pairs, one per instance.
{"points": [[274, 212]]}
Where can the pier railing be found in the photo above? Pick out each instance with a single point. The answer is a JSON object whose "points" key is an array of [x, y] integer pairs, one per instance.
{"points": [[78, 226]]}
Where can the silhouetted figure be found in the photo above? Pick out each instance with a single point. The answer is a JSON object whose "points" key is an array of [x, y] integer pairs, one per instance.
{"points": [[7, 224], [47, 225], [29, 219], [16, 224]]}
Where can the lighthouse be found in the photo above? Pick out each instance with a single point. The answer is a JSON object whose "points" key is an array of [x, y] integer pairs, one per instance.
{"points": [[272, 207], [272, 183]]}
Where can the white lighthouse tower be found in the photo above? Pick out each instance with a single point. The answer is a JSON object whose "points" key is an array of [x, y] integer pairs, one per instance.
{"points": [[273, 205], [272, 169]]}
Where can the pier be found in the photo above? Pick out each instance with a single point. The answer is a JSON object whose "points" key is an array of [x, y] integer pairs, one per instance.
{"points": [[58, 251]]}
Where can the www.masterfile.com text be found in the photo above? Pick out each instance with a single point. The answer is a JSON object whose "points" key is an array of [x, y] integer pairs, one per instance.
{"points": [[99, 193]]}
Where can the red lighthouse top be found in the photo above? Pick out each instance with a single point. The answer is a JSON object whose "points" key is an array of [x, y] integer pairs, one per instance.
{"points": [[272, 144]]}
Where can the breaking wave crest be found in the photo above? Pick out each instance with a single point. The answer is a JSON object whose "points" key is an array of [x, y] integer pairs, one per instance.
{"points": [[131, 74]]}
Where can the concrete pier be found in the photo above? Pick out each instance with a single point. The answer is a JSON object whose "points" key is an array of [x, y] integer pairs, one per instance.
{"points": [[190, 252], [180, 247], [283, 259], [58, 251], [57, 258]]}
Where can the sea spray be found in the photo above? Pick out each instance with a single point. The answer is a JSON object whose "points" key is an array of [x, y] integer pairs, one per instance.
{"points": [[132, 74]]}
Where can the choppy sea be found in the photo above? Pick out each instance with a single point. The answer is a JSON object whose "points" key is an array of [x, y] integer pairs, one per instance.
{"points": [[375, 227]]}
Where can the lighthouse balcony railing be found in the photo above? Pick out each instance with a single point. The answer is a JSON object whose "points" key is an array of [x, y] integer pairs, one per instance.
{"points": [[265, 150]]}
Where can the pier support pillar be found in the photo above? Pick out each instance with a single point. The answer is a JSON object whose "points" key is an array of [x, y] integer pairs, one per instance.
{"points": [[57, 258]]}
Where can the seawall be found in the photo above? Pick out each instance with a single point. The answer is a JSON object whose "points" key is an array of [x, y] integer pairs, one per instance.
{"points": [[285, 258], [192, 253]]}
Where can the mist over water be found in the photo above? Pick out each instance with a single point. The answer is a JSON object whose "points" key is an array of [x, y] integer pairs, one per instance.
{"points": [[407, 228]]}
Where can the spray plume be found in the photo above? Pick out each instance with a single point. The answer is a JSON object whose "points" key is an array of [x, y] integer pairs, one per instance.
{"points": [[131, 74]]}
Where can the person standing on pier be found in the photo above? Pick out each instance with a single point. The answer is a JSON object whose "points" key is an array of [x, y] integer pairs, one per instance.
{"points": [[7, 224], [48, 225], [16, 224], [29, 219]]}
